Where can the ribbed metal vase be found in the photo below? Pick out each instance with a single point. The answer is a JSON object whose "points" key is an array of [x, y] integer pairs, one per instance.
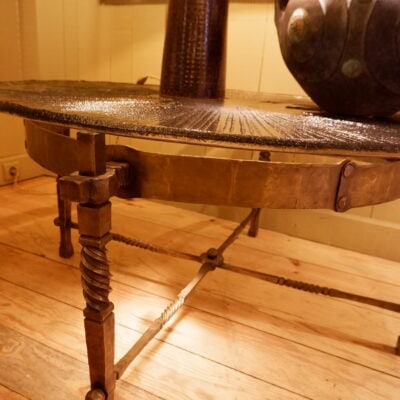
{"points": [[195, 49], [344, 53]]}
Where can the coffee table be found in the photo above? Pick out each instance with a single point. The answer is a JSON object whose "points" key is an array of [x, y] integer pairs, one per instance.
{"points": [[91, 172]]}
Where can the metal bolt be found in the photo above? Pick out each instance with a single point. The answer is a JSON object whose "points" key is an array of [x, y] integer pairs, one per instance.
{"points": [[264, 156], [352, 68], [212, 254], [348, 170]]}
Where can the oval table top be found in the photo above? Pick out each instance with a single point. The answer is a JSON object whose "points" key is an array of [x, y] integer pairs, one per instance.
{"points": [[242, 120]]}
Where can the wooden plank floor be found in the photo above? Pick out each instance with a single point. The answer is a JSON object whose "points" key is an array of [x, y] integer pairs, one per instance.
{"points": [[236, 338]]}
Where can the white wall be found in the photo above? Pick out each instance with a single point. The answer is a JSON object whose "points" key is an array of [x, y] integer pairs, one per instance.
{"points": [[81, 39], [18, 48]]}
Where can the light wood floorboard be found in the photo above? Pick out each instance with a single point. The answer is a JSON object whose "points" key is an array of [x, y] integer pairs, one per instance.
{"points": [[236, 337]]}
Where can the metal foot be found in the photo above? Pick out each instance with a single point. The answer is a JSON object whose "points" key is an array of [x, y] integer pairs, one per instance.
{"points": [[95, 394]]}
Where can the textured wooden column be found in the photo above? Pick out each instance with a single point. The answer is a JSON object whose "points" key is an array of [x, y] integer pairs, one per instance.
{"points": [[194, 51]]}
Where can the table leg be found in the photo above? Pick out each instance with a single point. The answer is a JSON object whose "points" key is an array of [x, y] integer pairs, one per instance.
{"points": [[255, 221], [63, 221], [94, 225], [99, 329]]}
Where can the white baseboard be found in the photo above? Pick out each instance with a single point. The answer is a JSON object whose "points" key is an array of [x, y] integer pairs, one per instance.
{"points": [[366, 235], [345, 230]]}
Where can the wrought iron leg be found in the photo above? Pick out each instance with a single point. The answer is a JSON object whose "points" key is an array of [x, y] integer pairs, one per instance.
{"points": [[255, 221], [63, 221], [94, 227], [92, 189]]}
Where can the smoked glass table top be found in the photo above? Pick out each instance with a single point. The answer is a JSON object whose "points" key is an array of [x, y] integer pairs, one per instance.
{"points": [[242, 119]]}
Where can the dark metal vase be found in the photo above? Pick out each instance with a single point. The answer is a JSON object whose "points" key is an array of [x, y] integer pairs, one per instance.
{"points": [[194, 49], [345, 54]]}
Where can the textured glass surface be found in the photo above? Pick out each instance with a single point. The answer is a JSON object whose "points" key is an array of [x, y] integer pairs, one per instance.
{"points": [[241, 120]]}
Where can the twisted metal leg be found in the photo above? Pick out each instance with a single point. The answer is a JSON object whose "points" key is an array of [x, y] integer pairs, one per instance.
{"points": [[95, 273], [94, 223]]}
